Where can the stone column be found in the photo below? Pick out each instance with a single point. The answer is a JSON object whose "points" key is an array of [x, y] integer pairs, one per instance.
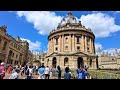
{"points": [[53, 44], [90, 46], [85, 44], [82, 43], [59, 41], [62, 43], [73, 43], [50, 62], [70, 42], [93, 46]]}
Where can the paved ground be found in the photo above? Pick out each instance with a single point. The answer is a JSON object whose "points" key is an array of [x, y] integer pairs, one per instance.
{"points": [[23, 77]]}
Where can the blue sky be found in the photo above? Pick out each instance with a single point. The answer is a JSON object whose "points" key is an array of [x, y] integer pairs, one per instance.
{"points": [[34, 26]]}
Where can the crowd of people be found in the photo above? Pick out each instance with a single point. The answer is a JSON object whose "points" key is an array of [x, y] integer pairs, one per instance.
{"points": [[28, 71]]}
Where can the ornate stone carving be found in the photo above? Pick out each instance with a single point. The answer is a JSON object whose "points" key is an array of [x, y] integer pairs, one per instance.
{"points": [[80, 24]]}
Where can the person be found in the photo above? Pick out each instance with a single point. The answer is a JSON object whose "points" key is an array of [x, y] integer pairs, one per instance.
{"points": [[36, 69], [67, 74], [51, 72], [80, 73], [47, 72], [30, 72], [2, 70], [14, 75], [59, 72], [87, 75], [41, 71], [22, 71], [25, 68], [27, 73], [9, 69]]}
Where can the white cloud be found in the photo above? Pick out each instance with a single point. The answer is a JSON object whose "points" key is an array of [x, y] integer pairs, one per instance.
{"points": [[33, 45], [115, 11], [43, 21], [98, 45], [101, 24], [112, 50], [95, 11]]}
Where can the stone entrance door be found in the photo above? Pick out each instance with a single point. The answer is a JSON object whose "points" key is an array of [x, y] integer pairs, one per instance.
{"points": [[54, 62], [80, 62]]}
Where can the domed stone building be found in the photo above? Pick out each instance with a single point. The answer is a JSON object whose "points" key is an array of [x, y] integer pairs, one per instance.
{"points": [[71, 44]]}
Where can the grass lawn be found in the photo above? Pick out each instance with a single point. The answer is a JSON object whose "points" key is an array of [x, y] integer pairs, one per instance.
{"points": [[104, 74], [97, 74]]}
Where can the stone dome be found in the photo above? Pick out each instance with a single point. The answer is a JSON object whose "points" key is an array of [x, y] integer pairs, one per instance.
{"points": [[69, 19]]}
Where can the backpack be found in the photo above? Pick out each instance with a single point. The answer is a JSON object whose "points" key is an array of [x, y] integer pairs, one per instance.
{"points": [[67, 75], [27, 72]]}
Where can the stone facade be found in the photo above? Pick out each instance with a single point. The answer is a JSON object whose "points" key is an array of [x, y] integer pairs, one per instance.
{"points": [[40, 57], [13, 50], [71, 44], [107, 61]]}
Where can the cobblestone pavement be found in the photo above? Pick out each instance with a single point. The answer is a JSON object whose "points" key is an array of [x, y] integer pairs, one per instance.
{"points": [[23, 77]]}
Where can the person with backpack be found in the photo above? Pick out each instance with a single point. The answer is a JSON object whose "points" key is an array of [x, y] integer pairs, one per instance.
{"points": [[59, 72], [41, 72], [2, 70], [67, 74], [80, 72], [87, 75], [14, 75]]}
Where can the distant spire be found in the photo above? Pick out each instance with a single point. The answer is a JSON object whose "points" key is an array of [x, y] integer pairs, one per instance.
{"points": [[99, 49]]}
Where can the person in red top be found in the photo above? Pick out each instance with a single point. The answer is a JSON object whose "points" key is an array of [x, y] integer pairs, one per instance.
{"points": [[9, 70], [2, 70]]}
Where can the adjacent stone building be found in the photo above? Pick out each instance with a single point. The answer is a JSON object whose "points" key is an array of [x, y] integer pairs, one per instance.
{"points": [[107, 60], [13, 51], [71, 44], [41, 57]]}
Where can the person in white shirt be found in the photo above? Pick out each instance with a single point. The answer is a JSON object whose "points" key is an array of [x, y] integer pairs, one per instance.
{"points": [[47, 72], [14, 75], [30, 72], [51, 72]]}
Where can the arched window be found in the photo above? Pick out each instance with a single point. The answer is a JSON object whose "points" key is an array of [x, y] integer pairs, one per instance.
{"points": [[66, 47], [65, 61], [54, 62], [56, 41], [78, 39], [4, 46], [66, 40], [78, 48]]}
